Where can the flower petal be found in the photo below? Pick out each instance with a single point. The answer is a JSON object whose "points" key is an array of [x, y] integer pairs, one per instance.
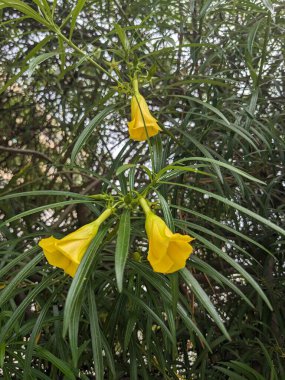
{"points": [[73, 249], [74, 245], [143, 124], [71, 269], [52, 254], [168, 252]]}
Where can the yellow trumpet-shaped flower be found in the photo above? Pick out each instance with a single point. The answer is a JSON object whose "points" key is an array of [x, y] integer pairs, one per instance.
{"points": [[168, 251], [143, 124], [67, 253]]}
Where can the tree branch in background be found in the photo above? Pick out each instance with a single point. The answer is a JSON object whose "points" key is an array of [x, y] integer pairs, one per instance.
{"points": [[26, 151]]}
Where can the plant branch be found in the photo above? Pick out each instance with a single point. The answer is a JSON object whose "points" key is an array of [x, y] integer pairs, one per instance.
{"points": [[26, 151]]}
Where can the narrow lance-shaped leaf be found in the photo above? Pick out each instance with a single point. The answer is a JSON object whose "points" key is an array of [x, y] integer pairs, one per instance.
{"points": [[95, 335], [36, 330], [41, 208], [24, 64], [212, 161], [166, 211], [204, 299], [75, 12], [122, 36], [87, 131], [38, 60], [232, 204], [234, 264], [21, 6], [18, 313], [26, 271], [58, 363], [79, 281], [122, 247]]}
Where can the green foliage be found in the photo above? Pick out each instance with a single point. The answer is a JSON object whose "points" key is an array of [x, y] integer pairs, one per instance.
{"points": [[212, 74]]}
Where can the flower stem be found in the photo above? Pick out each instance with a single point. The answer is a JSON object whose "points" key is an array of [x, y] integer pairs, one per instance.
{"points": [[136, 85], [144, 205], [99, 197], [104, 216]]}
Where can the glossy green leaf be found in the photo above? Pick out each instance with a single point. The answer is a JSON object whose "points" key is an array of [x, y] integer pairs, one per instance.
{"points": [[122, 247], [88, 130], [204, 299], [232, 204], [58, 363], [75, 13], [95, 335], [78, 284]]}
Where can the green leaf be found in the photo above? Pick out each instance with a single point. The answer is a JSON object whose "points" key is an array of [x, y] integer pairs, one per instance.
{"points": [[157, 152], [200, 146], [206, 105], [2, 354], [36, 330], [220, 163], [122, 247], [149, 311], [234, 264], [73, 329], [109, 355], [159, 283], [38, 60], [230, 374], [268, 4], [46, 192], [58, 363], [166, 211], [95, 335], [26, 9], [204, 299], [177, 170], [17, 260], [212, 272], [74, 14], [78, 284], [273, 374], [62, 55], [251, 36], [223, 226], [122, 36], [41, 208], [124, 167], [18, 313], [27, 270], [132, 322], [25, 66], [244, 369], [88, 130], [246, 211], [133, 362]]}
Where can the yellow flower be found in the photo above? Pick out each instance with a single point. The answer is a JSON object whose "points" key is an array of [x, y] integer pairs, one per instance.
{"points": [[168, 251], [67, 253], [143, 124]]}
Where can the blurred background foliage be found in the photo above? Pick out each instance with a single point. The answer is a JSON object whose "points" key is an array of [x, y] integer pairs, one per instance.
{"points": [[214, 78]]}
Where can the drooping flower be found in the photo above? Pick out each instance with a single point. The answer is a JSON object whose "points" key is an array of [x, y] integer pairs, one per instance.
{"points": [[143, 125], [168, 251], [67, 253]]}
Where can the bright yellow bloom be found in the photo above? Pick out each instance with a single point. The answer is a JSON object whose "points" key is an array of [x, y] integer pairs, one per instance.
{"points": [[168, 251], [67, 253], [143, 124]]}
